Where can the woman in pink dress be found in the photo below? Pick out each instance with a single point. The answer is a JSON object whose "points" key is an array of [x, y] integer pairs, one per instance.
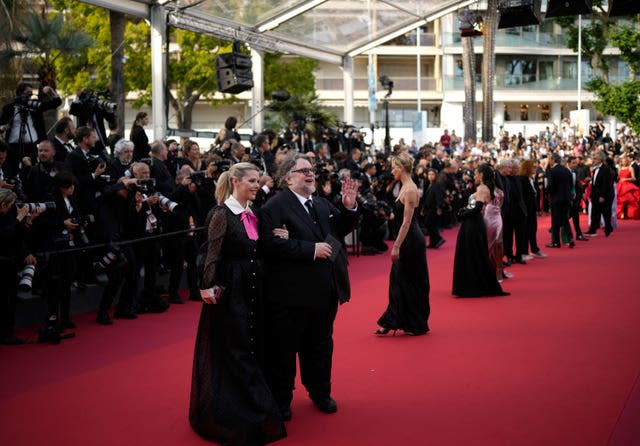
{"points": [[628, 193], [493, 219]]}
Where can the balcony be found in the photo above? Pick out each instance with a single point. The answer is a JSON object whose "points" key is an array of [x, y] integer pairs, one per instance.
{"points": [[520, 82], [521, 39], [407, 83]]}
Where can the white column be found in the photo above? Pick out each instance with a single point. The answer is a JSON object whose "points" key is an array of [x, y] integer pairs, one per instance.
{"points": [[347, 76], [257, 94], [556, 114], [158, 71]]}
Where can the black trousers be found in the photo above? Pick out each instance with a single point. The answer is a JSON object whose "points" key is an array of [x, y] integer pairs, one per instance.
{"points": [[431, 223], [574, 214], [181, 249], [507, 236], [8, 296], [531, 224], [307, 332], [600, 210], [560, 219], [60, 272]]}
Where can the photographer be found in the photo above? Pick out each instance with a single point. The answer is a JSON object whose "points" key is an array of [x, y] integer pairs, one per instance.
{"points": [[123, 157], [38, 178], [145, 219], [14, 255], [165, 183], [262, 156], [184, 248], [91, 110], [22, 121], [64, 228], [374, 228]]}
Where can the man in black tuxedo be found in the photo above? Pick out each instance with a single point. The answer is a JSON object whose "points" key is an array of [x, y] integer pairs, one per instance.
{"points": [[601, 195], [559, 182], [65, 132], [22, 121], [304, 282], [577, 193]]}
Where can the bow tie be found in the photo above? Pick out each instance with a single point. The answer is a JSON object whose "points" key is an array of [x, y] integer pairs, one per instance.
{"points": [[250, 223]]}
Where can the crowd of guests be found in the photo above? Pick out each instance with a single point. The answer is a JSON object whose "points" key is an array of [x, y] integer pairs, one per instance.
{"points": [[271, 266]]}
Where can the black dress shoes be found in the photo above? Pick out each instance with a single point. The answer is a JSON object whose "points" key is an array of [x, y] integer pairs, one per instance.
{"points": [[582, 238], [103, 318], [326, 404], [11, 340], [572, 244], [553, 245]]}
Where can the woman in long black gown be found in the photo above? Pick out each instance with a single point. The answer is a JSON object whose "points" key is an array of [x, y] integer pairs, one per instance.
{"points": [[230, 400], [408, 308], [473, 273]]}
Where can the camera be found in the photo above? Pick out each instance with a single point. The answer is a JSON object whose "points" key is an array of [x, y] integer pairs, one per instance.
{"points": [[27, 103], [95, 161], [26, 278], [113, 258], [223, 165], [167, 203], [42, 207], [200, 178], [146, 184], [89, 101]]}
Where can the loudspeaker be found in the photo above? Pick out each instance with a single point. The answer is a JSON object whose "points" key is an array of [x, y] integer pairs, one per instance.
{"points": [[518, 13], [560, 8], [623, 7], [233, 72]]}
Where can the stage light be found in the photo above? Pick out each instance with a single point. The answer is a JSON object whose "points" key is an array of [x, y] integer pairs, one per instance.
{"points": [[518, 13], [561, 8], [623, 7]]}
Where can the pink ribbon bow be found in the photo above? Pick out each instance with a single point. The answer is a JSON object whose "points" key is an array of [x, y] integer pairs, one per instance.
{"points": [[250, 222]]}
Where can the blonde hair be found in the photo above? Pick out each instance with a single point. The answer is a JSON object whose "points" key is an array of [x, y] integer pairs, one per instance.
{"points": [[7, 196], [224, 188], [403, 160]]}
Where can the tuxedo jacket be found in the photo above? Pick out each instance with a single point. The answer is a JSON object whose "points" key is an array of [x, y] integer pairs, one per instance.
{"points": [[602, 185], [292, 277], [87, 190], [559, 184], [61, 150]]}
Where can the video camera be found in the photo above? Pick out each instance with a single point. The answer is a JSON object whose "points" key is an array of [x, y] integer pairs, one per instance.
{"points": [[90, 101], [26, 103]]}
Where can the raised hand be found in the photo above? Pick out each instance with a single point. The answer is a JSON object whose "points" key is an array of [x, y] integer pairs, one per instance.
{"points": [[349, 192]]}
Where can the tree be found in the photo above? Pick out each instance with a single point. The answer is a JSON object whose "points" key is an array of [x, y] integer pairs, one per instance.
{"points": [[489, 68], [10, 66], [117, 23], [46, 37], [594, 37], [469, 69]]}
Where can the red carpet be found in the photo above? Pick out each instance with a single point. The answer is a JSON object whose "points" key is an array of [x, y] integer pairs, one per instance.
{"points": [[555, 363]]}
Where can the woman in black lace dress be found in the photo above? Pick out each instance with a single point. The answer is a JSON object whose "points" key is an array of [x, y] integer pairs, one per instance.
{"points": [[408, 308], [230, 400]]}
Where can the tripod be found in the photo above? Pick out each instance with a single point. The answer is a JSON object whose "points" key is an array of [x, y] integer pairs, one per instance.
{"points": [[15, 158]]}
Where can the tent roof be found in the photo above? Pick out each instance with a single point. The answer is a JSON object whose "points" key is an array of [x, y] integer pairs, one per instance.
{"points": [[326, 30]]}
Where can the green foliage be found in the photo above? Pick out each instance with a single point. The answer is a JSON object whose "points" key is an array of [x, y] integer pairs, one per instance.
{"points": [[305, 106], [621, 101], [294, 75]]}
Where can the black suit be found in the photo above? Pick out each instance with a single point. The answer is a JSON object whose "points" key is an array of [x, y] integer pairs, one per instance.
{"points": [[601, 187], [88, 191], [62, 149], [559, 184], [301, 294]]}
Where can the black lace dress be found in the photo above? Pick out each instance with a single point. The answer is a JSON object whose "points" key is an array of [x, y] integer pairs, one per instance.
{"points": [[473, 273], [230, 400], [408, 308]]}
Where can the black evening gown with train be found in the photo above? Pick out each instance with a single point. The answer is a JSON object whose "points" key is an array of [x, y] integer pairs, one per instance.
{"points": [[230, 400], [473, 273], [408, 308]]}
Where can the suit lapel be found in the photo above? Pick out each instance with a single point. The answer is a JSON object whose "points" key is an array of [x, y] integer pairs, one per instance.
{"points": [[298, 209]]}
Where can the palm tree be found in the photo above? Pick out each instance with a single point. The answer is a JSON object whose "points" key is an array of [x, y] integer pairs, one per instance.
{"points": [[469, 69], [10, 67], [47, 38], [489, 68]]}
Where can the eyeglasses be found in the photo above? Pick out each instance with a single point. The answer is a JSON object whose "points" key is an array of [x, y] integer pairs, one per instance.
{"points": [[304, 171]]}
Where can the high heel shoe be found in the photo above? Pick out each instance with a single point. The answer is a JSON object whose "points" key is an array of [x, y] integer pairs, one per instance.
{"points": [[383, 331]]}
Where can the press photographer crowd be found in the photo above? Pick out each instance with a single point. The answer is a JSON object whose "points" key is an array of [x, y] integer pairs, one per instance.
{"points": [[83, 206]]}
